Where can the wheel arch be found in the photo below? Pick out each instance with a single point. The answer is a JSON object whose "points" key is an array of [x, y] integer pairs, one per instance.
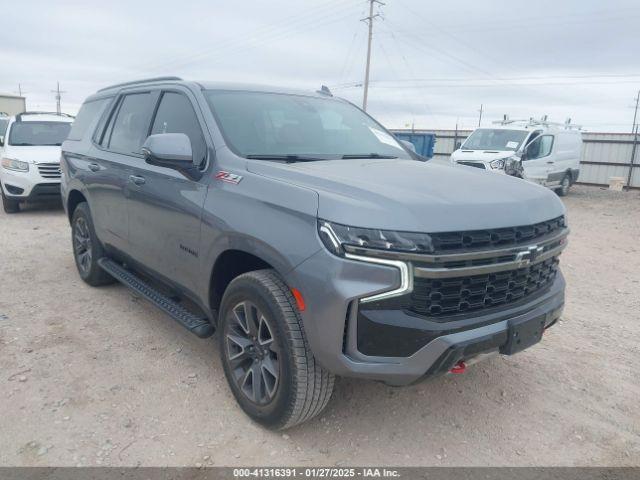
{"points": [[75, 198], [228, 265]]}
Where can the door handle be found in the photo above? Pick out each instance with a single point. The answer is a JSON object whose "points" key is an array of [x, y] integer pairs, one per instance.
{"points": [[138, 180], [550, 163], [94, 167]]}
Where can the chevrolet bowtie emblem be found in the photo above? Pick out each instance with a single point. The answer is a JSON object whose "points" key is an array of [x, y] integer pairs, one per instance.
{"points": [[529, 255]]}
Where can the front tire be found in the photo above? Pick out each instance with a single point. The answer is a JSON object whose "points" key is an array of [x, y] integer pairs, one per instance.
{"points": [[8, 204], [565, 184], [266, 358], [87, 249]]}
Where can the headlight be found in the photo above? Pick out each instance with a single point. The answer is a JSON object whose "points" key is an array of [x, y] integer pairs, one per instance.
{"points": [[17, 165], [335, 236], [498, 164]]}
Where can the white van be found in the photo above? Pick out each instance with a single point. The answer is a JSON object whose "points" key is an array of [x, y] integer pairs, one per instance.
{"points": [[30, 152], [538, 151]]}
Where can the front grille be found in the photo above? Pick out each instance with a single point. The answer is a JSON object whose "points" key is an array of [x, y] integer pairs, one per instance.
{"points": [[49, 170], [473, 164], [450, 296], [496, 237]]}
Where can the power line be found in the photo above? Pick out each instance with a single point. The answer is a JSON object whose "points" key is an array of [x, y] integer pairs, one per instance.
{"points": [[332, 10]]}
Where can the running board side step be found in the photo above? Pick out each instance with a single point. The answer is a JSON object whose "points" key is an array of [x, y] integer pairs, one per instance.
{"points": [[194, 323]]}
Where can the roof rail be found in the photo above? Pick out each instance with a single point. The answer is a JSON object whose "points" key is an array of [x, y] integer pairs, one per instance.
{"points": [[136, 82], [20, 115], [532, 122]]}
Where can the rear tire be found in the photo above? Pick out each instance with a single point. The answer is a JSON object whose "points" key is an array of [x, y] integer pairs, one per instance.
{"points": [[87, 249], [8, 204], [565, 184], [261, 331]]}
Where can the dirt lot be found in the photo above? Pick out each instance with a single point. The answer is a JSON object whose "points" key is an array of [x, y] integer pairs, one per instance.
{"points": [[96, 377]]}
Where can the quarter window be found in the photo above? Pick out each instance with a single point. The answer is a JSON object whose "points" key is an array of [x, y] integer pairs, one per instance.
{"points": [[176, 115], [131, 124], [88, 112]]}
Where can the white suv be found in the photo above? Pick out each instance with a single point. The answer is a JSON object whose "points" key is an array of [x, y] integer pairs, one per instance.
{"points": [[30, 152]]}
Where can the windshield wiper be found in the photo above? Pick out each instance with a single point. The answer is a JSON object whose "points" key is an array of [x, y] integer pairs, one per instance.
{"points": [[367, 155], [287, 158], [23, 144]]}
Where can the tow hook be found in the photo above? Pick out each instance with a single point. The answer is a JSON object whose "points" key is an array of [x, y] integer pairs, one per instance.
{"points": [[459, 367]]}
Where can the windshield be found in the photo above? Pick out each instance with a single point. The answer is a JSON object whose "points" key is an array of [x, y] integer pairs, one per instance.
{"points": [[272, 125], [495, 139], [38, 133]]}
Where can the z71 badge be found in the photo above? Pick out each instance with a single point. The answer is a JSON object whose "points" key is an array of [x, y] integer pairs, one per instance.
{"points": [[229, 177]]}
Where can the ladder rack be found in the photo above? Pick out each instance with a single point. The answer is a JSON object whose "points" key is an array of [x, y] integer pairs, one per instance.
{"points": [[533, 122]]}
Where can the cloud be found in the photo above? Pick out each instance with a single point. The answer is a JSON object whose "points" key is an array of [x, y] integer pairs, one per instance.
{"points": [[433, 63]]}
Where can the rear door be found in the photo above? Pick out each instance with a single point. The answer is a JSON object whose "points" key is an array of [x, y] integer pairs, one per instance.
{"points": [[539, 161], [117, 148], [164, 206]]}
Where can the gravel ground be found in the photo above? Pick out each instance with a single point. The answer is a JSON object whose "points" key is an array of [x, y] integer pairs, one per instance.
{"points": [[97, 377]]}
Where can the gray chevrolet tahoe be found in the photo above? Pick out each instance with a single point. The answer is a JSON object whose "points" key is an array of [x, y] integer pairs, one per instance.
{"points": [[302, 230]]}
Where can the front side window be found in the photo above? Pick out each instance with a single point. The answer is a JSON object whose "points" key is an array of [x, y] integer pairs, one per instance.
{"points": [[540, 147], [27, 134], [271, 124], [130, 127], [495, 139], [176, 115]]}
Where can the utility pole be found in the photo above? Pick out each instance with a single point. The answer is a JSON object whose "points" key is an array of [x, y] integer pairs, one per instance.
{"points": [[633, 155], [480, 118], [58, 93], [19, 90], [369, 20], [635, 115]]}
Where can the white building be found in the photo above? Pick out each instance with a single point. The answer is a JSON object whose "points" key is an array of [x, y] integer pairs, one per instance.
{"points": [[11, 104]]}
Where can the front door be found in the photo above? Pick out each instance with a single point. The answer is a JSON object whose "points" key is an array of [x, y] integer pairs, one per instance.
{"points": [[164, 206], [538, 160]]}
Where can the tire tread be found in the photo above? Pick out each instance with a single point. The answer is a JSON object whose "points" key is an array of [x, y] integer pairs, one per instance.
{"points": [[312, 384]]}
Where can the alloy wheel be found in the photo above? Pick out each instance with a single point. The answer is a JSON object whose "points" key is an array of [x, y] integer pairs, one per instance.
{"points": [[252, 352], [82, 244]]}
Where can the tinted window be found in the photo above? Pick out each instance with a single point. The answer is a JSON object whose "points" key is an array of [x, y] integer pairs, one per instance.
{"points": [[88, 112], [3, 125], [38, 133], [175, 115], [256, 123], [130, 127]]}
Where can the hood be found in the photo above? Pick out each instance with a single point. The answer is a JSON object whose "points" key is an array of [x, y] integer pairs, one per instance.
{"points": [[485, 156], [34, 154], [416, 196]]}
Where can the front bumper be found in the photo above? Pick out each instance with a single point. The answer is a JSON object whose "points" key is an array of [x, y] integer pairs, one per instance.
{"points": [[29, 186], [332, 288]]}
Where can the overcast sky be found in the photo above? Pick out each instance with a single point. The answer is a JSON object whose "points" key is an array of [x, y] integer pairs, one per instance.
{"points": [[433, 62]]}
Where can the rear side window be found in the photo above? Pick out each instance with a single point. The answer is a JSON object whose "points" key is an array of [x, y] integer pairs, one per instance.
{"points": [[176, 115], [87, 114], [131, 124]]}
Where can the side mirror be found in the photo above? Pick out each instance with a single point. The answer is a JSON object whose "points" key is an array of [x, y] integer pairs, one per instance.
{"points": [[171, 150], [1, 140], [458, 145], [410, 146]]}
